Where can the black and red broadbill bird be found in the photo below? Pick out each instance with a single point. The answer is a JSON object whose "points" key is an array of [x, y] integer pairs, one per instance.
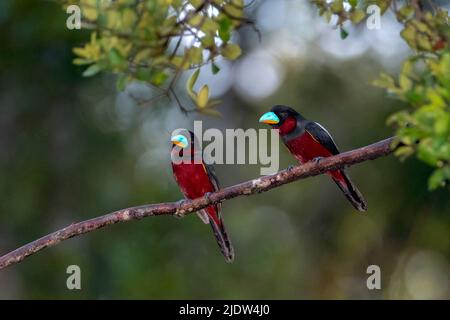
{"points": [[196, 179], [307, 140]]}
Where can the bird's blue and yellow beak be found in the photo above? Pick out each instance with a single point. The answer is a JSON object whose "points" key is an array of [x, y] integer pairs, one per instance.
{"points": [[180, 141], [269, 118]]}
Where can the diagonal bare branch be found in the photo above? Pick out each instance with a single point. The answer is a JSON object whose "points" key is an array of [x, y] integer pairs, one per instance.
{"points": [[262, 184]]}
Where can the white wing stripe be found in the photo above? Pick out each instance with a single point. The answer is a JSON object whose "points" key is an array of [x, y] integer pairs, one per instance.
{"points": [[326, 132]]}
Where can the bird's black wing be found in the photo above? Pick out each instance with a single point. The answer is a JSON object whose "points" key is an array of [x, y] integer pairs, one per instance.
{"points": [[215, 182], [212, 175], [322, 136]]}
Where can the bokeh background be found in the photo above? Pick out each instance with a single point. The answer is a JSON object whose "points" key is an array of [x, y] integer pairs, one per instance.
{"points": [[73, 148]]}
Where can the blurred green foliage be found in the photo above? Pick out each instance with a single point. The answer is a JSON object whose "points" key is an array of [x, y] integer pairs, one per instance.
{"points": [[146, 40], [425, 129], [424, 82]]}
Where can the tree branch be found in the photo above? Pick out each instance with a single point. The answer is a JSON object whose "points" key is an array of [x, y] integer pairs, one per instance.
{"points": [[182, 208]]}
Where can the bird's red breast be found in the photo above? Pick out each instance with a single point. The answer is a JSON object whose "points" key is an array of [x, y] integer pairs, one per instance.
{"points": [[194, 182], [193, 179], [306, 148], [288, 126]]}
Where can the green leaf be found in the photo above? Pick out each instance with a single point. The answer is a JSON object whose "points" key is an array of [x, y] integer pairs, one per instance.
{"points": [[426, 153], [234, 8], [115, 58], [225, 29], [195, 56], [209, 26], [180, 62], [215, 68], [231, 51], [190, 84], [328, 15], [344, 33], [385, 81], [401, 118], [143, 74], [407, 67], [158, 78], [210, 112], [383, 4], [92, 70], [169, 25], [404, 152], [405, 83], [142, 55], [202, 97], [409, 34], [357, 16], [353, 3], [81, 62], [196, 3], [405, 12], [415, 96], [208, 41], [423, 42], [195, 20], [435, 99], [442, 124], [395, 143], [439, 178], [213, 103], [121, 82], [337, 6]]}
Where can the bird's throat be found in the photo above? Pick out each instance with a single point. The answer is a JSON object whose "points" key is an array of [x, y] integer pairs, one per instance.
{"points": [[288, 125]]}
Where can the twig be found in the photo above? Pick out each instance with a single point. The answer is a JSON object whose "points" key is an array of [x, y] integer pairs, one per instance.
{"points": [[180, 105], [142, 102], [417, 8], [182, 208]]}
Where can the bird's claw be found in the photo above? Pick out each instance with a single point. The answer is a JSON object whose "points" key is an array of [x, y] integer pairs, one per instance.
{"points": [[180, 213], [290, 168], [316, 160], [207, 196]]}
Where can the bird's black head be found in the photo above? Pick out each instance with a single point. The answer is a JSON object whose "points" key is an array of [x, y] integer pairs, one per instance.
{"points": [[279, 115], [284, 112]]}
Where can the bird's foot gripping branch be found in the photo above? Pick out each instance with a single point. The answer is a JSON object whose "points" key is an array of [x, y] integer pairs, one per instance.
{"points": [[262, 184]]}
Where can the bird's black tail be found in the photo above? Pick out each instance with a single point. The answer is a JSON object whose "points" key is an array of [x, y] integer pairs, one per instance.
{"points": [[349, 189], [222, 238]]}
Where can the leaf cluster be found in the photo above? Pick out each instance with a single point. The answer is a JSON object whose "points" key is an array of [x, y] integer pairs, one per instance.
{"points": [[153, 41], [423, 84]]}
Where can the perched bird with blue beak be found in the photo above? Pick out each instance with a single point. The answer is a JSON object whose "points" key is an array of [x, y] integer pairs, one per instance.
{"points": [[196, 179], [308, 140]]}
